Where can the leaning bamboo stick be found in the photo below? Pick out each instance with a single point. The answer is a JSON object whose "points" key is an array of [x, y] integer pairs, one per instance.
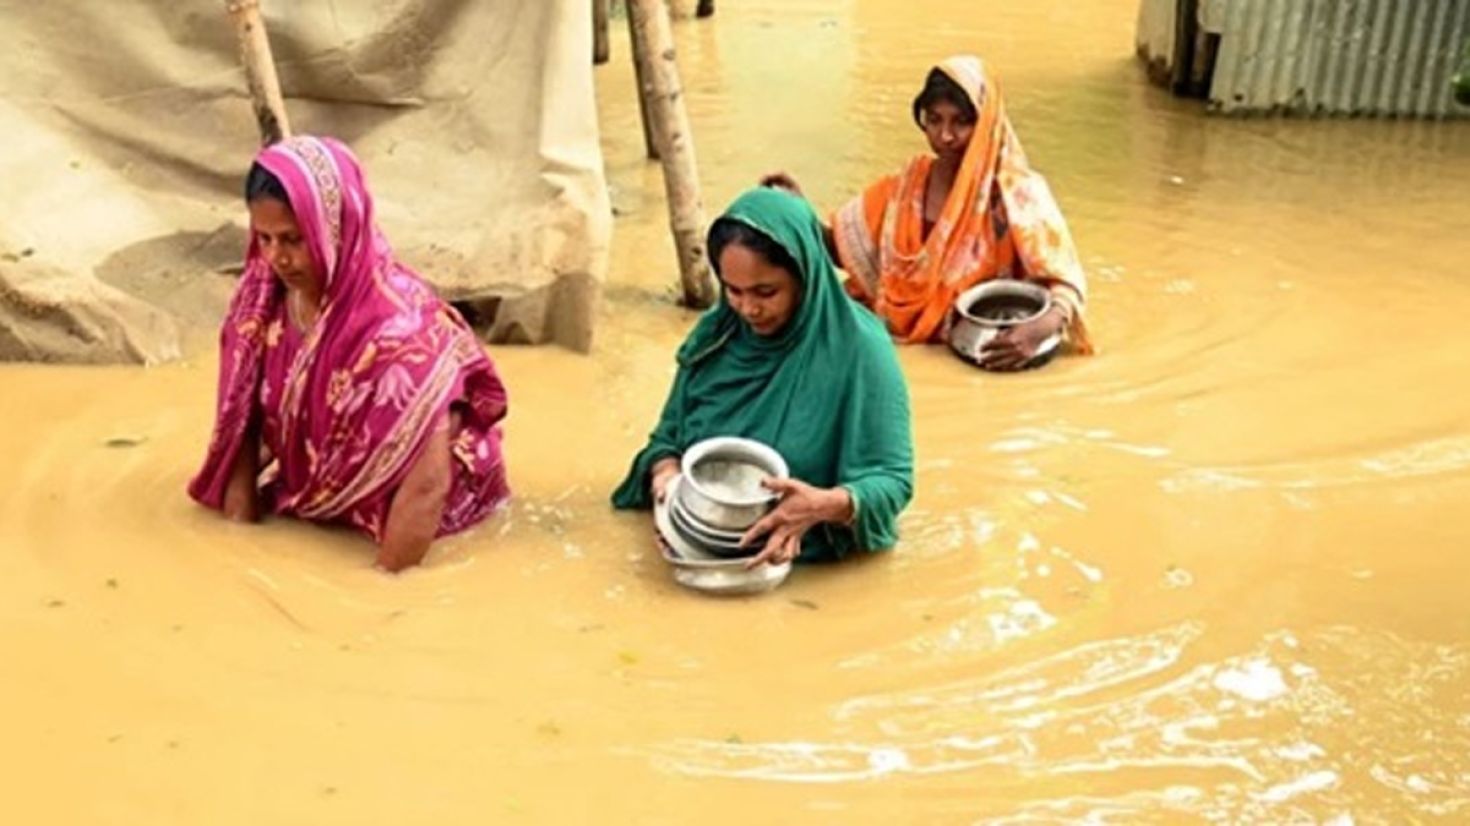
{"points": [[601, 48], [640, 77], [260, 71], [653, 47], [1462, 77]]}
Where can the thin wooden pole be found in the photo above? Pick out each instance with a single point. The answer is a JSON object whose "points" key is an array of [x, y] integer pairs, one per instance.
{"points": [[653, 46], [1462, 77], [640, 76], [260, 71], [601, 48]]}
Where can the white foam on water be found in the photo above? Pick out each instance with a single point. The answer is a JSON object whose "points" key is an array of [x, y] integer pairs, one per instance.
{"points": [[1023, 618], [1314, 782], [1014, 445], [1300, 752], [1257, 680], [1070, 501]]}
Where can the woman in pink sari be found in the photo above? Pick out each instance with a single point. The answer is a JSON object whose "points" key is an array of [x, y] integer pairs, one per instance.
{"points": [[348, 391]]}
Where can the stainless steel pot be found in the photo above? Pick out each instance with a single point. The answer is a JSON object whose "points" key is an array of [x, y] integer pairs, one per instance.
{"points": [[695, 567], [721, 481], [724, 544], [983, 311]]}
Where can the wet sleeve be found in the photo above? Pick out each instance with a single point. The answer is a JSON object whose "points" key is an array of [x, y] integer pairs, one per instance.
{"points": [[877, 462], [663, 442], [238, 388], [1047, 253], [1076, 328]]}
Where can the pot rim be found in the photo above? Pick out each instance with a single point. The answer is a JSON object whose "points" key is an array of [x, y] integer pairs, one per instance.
{"points": [[712, 446], [1001, 286], [680, 520]]}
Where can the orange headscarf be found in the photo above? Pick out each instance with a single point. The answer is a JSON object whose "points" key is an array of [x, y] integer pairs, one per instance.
{"points": [[1000, 221]]}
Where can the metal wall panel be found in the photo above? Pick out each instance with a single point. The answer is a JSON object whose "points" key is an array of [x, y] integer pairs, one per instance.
{"points": [[1341, 57]]}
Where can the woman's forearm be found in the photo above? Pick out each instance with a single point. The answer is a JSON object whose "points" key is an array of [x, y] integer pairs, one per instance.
{"points": [[877, 500], [242, 500], [418, 506], [413, 522]]}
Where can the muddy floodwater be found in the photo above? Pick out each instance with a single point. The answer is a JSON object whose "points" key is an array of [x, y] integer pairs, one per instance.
{"points": [[1217, 572]]}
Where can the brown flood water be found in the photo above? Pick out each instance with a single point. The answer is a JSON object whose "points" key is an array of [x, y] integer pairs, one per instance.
{"points": [[1216, 573]]}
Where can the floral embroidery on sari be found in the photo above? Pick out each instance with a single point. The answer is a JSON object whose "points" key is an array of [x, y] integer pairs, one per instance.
{"points": [[351, 405], [1000, 221]]}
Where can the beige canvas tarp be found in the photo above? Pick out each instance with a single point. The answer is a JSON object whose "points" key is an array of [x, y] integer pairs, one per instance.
{"points": [[127, 130]]}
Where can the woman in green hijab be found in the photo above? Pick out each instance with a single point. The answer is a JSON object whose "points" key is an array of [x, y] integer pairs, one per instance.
{"points": [[787, 359]]}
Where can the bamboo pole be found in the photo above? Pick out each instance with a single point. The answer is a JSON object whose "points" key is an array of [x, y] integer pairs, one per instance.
{"points": [[653, 46], [601, 48], [640, 76], [1462, 77], [260, 71]]}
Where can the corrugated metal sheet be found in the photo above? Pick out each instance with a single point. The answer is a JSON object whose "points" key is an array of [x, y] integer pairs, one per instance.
{"points": [[1347, 57]]}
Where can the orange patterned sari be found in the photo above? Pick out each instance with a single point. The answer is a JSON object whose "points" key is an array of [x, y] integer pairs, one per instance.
{"points": [[1000, 221]]}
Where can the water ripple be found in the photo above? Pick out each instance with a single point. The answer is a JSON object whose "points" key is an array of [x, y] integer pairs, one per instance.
{"points": [[1288, 730]]}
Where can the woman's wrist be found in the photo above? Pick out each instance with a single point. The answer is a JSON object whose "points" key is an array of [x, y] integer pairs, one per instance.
{"points": [[665, 467], [1063, 302], [1059, 317], [839, 508]]}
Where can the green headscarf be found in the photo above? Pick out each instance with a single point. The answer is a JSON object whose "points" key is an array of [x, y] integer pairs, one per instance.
{"points": [[826, 391]]}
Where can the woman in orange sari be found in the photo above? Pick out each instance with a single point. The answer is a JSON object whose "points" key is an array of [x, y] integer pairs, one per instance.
{"points": [[974, 210]]}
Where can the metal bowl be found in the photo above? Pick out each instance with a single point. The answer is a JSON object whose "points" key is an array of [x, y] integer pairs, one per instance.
{"points": [[683, 517], [723, 544], [983, 311], [698, 569], [731, 580], [722, 481]]}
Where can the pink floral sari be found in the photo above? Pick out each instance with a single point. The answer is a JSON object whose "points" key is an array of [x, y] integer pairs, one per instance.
{"points": [[368, 382]]}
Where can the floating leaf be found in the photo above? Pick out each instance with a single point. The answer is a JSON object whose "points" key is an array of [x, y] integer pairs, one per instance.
{"points": [[628, 657], [734, 739], [56, 603], [804, 603], [125, 441], [549, 728], [112, 583]]}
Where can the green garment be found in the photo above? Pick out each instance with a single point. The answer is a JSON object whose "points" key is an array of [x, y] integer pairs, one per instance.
{"points": [[826, 391]]}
